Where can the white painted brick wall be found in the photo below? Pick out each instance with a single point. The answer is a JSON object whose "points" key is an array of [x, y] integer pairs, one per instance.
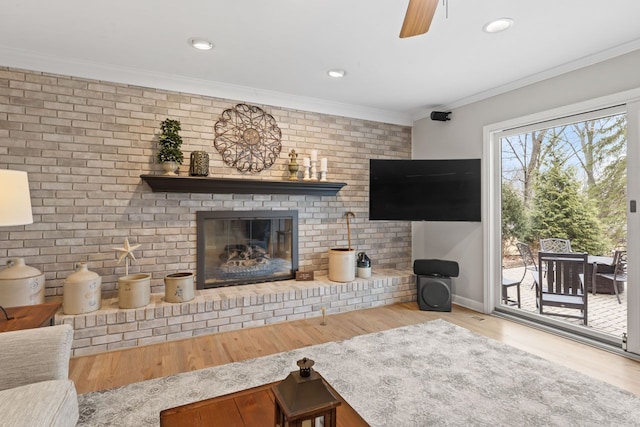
{"points": [[85, 143]]}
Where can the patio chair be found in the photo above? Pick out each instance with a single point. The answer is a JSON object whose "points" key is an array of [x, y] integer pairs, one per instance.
{"points": [[555, 245], [564, 283], [528, 259], [508, 283], [619, 273]]}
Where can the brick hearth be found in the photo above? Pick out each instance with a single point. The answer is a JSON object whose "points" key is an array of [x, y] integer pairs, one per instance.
{"points": [[231, 308]]}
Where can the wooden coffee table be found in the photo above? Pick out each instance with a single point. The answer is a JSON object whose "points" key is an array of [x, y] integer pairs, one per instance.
{"points": [[29, 316], [247, 408]]}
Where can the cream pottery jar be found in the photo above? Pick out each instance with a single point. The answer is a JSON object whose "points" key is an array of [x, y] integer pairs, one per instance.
{"points": [[342, 265], [134, 290], [82, 291], [21, 284], [178, 287]]}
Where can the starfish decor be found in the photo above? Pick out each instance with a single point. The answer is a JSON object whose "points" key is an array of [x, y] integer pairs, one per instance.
{"points": [[126, 254]]}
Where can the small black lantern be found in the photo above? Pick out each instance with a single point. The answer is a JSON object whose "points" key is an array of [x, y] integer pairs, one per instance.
{"points": [[304, 397]]}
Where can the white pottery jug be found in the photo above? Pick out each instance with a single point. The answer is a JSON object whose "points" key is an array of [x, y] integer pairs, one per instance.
{"points": [[82, 291], [21, 284]]}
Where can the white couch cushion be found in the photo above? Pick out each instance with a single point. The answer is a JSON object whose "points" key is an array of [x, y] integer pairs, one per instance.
{"points": [[47, 403], [34, 355]]}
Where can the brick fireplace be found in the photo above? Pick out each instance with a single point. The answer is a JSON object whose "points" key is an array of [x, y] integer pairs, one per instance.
{"points": [[85, 143]]}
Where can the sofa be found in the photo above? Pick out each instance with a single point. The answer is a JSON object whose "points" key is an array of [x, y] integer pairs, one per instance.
{"points": [[35, 389]]}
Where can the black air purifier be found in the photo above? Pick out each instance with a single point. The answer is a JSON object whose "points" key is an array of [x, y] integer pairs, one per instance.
{"points": [[433, 279]]}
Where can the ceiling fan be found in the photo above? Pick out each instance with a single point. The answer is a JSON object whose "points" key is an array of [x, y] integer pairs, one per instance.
{"points": [[418, 17]]}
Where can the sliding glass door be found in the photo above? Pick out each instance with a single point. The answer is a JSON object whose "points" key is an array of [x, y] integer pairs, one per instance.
{"points": [[563, 189]]}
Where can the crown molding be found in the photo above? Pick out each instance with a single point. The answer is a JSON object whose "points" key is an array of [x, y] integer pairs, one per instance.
{"points": [[17, 58], [535, 78]]}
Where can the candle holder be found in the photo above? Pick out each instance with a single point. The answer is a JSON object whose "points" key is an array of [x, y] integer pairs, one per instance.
{"points": [[323, 169], [306, 173], [314, 174]]}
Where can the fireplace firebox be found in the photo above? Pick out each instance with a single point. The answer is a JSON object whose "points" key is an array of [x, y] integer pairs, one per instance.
{"points": [[242, 247]]}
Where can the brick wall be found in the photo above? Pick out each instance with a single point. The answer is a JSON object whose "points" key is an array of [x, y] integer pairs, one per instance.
{"points": [[85, 144]]}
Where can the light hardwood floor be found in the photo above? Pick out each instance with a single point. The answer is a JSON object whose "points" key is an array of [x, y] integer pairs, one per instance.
{"points": [[120, 367]]}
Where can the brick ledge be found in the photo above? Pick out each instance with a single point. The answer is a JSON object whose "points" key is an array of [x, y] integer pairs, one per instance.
{"points": [[231, 308]]}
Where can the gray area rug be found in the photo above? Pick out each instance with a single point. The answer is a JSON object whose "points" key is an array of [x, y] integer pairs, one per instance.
{"points": [[433, 373]]}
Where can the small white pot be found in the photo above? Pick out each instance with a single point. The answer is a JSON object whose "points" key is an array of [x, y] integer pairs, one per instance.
{"points": [[134, 290], [179, 287], [170, 168], [342, 265]]}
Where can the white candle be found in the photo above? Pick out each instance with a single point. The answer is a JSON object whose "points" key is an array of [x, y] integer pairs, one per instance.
{"points": [[305, 162], [323, 164], [314, 155]]}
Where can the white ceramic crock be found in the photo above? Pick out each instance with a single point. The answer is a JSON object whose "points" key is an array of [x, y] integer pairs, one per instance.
{"points": [[82, 291], [342, 265], [134, 290], [178, 287], [21, 284]]}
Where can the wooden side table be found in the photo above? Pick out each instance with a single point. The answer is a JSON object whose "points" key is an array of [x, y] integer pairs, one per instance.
{"points": [[29, 316]]}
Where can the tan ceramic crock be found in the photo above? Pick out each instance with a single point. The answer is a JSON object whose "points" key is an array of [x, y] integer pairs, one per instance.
{"points": [[178, 287]]}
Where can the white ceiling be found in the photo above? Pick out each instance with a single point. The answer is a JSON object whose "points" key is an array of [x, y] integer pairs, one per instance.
{"points": [[277, 52]]}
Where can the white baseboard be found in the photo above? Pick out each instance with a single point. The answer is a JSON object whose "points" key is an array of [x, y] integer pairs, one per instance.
{"points": [[468, 303]]}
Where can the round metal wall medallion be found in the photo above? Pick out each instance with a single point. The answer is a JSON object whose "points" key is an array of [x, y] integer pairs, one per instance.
{"points": [[247, 138]]}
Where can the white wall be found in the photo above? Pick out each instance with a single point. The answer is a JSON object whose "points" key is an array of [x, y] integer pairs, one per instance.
{"points": [[462, 137]]}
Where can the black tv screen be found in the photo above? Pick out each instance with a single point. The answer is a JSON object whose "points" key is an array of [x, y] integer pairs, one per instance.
{"points": [[425, 190]]}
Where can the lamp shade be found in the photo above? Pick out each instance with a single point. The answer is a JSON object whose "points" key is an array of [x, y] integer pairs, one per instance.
{"points": [[15, 200]]}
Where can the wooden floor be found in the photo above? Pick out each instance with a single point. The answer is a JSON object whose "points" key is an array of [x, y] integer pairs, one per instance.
{"points": [[115, 368]]}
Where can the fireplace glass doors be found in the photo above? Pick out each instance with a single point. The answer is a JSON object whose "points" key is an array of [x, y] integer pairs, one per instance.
{"points": [[240, 247]]}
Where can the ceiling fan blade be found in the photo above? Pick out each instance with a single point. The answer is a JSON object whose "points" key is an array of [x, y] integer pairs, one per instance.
{"points": [[418, 18]]}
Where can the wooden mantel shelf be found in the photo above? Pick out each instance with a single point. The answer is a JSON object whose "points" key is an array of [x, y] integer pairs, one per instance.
{"points": [[197, 184]]}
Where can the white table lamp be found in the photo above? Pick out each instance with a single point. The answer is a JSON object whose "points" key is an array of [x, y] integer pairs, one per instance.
{"points": [[15, 204], [15, 200]]}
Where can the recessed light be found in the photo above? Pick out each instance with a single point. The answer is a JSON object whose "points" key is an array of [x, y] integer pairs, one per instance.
{"points": [[336, 74], [497, 25], [201, 44]]}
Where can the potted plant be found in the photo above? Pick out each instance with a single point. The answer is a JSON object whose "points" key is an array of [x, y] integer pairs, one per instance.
{"points": [[170, 154]]}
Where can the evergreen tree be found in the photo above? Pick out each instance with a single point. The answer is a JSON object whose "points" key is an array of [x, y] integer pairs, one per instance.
{"points": [[561, 210], [514, 219]]}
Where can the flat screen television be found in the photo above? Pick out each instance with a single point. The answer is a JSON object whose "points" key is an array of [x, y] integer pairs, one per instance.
{"points": [[425, 190]]}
